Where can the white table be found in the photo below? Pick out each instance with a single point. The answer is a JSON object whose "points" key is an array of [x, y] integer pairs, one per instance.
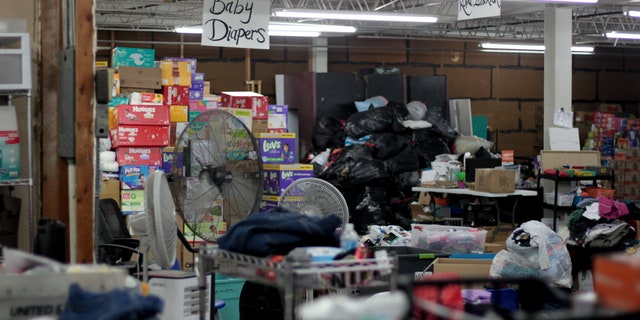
{"points": [[473, 193]]}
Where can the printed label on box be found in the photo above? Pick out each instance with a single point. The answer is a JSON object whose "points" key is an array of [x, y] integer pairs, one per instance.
{"points": [[150, 156], [9, 155], [135, 57], [278, 177]]}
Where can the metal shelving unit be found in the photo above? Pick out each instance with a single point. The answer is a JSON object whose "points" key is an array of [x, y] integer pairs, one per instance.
{"points": [[294, 275]]}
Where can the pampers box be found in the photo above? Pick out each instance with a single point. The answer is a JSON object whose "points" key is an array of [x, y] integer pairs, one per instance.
{"points": [[277, 148]]}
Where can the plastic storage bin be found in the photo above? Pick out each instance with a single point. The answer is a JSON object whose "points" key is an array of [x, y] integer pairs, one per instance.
{"points": [[229, 289], [449, 239], [413, 261], [564, 200]]}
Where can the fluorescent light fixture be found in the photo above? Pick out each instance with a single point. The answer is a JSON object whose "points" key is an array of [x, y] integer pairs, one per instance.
{"points": [[623, 35], [309, 34], [354, 15], [283, 26], [572, 1], [635, 13], [190, 29], [528, 48]]}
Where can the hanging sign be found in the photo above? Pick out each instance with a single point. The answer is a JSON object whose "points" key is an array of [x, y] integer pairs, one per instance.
{"points": [[474, 9], [235, 23]]}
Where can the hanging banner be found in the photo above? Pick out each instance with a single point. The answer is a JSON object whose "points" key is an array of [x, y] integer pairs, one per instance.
{"points": [[474, 9], [235, 23]]}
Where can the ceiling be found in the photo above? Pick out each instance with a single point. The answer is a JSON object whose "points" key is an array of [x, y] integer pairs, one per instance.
{"points": [[519, 20]]}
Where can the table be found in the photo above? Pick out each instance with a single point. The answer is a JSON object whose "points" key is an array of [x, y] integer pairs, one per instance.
{"points": [[468, 192]]}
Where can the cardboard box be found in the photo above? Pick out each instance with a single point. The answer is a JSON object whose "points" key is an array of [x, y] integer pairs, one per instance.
{"points": [[110, 189], [139, 136], [131, 201], [495, 180], [466, 268], [278, 177], [176, 95], [143, 78], [195, 94], [204, 105], [277, 118], [615, 281], [494, 247], [178, 113], [9, 144], [148, 98], [277, 148], [268, 203], [175, 73], [139, 115], [259, 126], [132, 57], [246, 100], [197, 77], [244, 115], [196, 85], [192, 64], [171, 156], [133, 177], [175, 130], [150, 156]]}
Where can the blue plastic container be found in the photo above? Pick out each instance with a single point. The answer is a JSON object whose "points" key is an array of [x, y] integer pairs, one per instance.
{"points": [[229, 289]]}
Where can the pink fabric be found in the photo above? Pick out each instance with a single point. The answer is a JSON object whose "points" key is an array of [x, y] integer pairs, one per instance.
{"points": [[611, 209]]}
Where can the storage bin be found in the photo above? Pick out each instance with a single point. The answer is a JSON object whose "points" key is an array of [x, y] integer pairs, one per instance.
{"points": [[595, 192], [229, 289], [449, 239], [412, 260], [564, 200]]}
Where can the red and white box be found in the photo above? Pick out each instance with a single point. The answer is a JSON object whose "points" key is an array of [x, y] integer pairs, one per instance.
{"points": [[140, 115], [150, 156], [139, 136], [176, 95], [246, 100], [151, 98]]}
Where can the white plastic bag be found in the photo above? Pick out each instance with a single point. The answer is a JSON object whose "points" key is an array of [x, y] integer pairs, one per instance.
{"points": [[534, 250]]}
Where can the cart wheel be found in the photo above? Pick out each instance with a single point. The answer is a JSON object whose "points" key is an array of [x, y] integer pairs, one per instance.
{"points": [[258, 301]]}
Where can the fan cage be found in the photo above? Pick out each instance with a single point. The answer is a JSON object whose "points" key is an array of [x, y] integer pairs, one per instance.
{"points": [[315, 197]]}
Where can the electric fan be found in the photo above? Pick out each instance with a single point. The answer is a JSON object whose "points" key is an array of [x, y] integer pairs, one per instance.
{"points": [[157, 224], [314, 197], [220, 179]]}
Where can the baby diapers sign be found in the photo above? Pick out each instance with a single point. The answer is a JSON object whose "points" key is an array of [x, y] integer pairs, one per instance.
{"points": [[235, 23]]}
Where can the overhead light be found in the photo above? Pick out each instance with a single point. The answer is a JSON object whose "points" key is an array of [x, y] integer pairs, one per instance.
{"points": [[572, 1], [283, 26], [528, 48], [623, 35], [354, 15], [190, 29], [635, 13]]}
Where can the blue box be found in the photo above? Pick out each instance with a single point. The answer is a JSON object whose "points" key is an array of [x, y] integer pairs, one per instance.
{"points": [[268, 203], [169, 155], [132, 177], [132, 57], [277, 148]]}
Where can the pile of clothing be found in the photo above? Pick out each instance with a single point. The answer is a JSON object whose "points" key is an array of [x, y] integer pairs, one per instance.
{"points": [[374, 157]]}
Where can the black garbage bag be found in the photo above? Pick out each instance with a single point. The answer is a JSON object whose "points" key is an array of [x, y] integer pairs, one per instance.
{"points": [[328, 132], [441, 124], [400, 212], [355, 167], [429, 143], [383, 119], [386, 145], [404, 161], [405, 181], [371, 209]]}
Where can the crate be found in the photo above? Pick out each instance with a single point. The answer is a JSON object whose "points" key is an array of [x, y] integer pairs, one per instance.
{"points": [[564, 200], [481, 215], [229, 289]]}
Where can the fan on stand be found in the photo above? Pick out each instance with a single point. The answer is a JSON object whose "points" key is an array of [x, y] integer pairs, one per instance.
{"points": [[314, 197], [220, 180]]}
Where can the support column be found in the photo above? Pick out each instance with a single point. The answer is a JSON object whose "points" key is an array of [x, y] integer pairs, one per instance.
{"points": [[319, 55], [557, 64]]}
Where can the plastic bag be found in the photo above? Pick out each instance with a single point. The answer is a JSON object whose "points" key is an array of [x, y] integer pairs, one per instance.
{"points": [[328, 133], [386, 145], [428, 144], [404, 161], [534, 250], [470, 144], [385, 119]]}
